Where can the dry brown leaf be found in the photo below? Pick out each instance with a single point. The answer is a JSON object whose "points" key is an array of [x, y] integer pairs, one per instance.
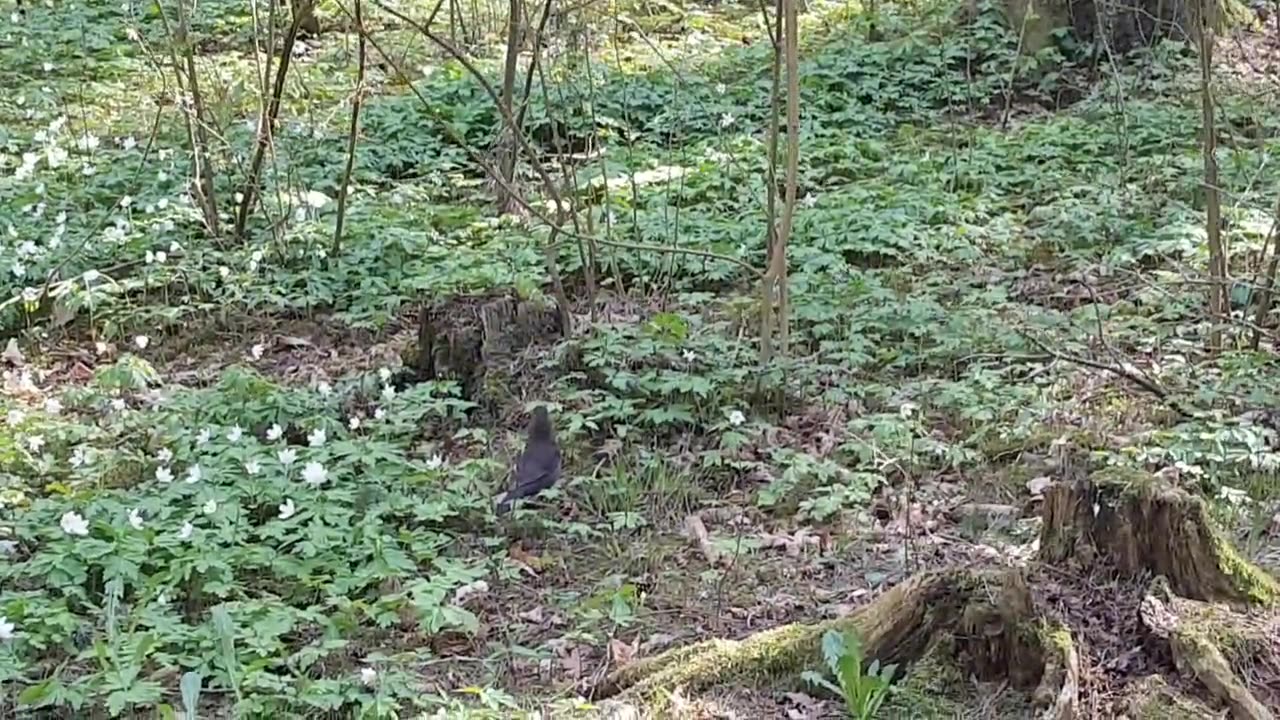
{"points": [[531, 562], [656, 641], [622, 652], [12, 354], [1037, 485], [698, 535], [572, 662]]}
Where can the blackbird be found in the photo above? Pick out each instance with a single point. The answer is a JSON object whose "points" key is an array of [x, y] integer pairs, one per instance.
{"points": [[538, 467]]}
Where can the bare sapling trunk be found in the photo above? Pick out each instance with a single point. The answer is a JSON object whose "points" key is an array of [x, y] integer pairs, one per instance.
{"points": [[776, 277], [356, 98], [266, 127], [1213, 203], [506, 146], [771, 198], [194, 116], [1267, 281]]}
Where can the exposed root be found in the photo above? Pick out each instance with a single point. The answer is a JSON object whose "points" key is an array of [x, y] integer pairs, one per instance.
{"points": [[1203, 635], [1059, 689]]}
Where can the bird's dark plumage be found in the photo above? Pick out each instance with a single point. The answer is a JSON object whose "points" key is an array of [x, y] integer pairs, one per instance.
{"points": [[538, 467]]}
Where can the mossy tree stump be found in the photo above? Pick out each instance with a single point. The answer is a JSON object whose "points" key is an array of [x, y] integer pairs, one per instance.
{"points": [[1140, 524], [480, 342], [986, 622]]}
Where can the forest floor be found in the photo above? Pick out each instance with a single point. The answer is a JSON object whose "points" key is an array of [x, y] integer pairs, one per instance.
{"points": [[956, 284]]}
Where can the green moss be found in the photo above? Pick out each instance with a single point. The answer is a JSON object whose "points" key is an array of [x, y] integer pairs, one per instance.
{"points": [[1057, 637], [1153, 699], [1252, 582], [935, 688]]}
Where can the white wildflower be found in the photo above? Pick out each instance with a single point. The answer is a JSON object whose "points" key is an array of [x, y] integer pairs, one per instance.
{"points": [[164, 475], [1189, 469], [354, 423], [287, 509], [388, 392], [7, 628], [727, 120], [317, 438], [203, 437], [135, 519], [186, 531], [256, 351], [379, 414], [275, 432], [73, 523], [142, 341], [35, 442], [194, 473], [368, 675], [253, 467], [235, 433], [907, 410], [324, 388], [316, 199], [736, 418], [287, 456], [471, 589], [1235, 496], [164, 455], [384, 373], [314, 474], [210, 507], [435, 463], [15, 417]]}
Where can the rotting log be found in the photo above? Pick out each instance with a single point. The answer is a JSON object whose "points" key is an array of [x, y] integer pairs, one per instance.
{"points": [[983, 613]]}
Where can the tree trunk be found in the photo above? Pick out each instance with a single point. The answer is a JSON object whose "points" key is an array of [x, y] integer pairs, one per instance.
{"points": [[1121, 26]]}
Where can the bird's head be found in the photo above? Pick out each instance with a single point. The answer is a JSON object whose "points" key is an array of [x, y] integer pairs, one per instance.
{"points": [[540, 426]]}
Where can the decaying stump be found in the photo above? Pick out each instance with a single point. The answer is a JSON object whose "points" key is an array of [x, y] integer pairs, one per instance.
{"points": [[984, 621], [1141, 524], [479, 342]]}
